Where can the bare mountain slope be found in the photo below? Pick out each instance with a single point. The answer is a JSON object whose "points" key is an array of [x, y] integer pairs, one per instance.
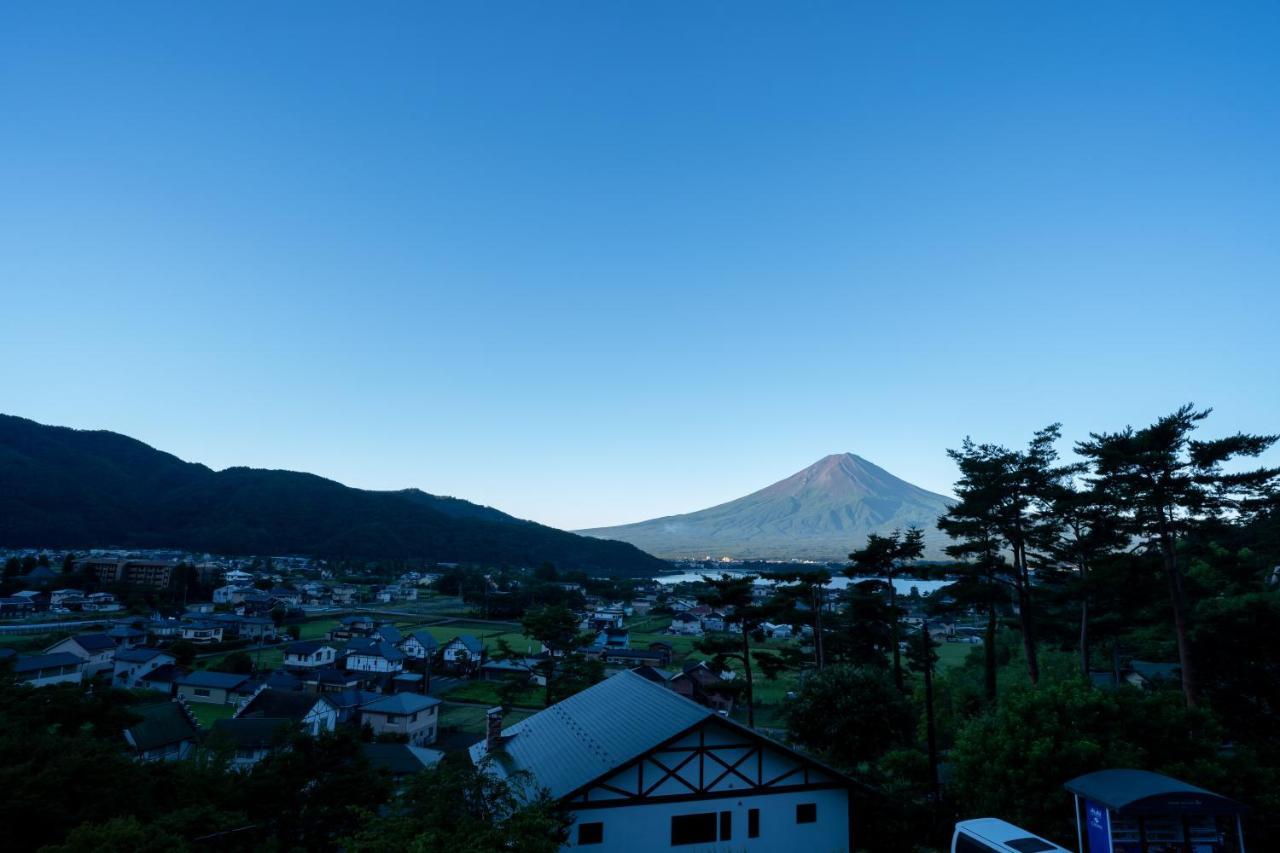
{"points": [[822, 512]]}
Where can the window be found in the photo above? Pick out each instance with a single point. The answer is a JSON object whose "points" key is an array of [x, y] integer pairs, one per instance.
{"points": [[693, 828], [753, 823], [591, 833], [201, 691], [726, 826], [392, 718], [413, 718], [806, 813], [969, 844]]}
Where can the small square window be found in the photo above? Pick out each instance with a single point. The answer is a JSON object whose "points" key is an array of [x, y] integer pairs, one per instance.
{"points": [[591, 833], [806, 813]]}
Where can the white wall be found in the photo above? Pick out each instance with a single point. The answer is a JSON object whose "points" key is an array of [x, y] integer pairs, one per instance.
{"points": [[647, 828]]}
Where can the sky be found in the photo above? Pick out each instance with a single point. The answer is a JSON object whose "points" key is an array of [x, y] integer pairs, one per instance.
{"points": [[596, 262]]}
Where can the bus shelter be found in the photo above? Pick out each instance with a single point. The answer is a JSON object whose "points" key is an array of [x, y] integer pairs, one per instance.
{"points": [[1136, 811]]}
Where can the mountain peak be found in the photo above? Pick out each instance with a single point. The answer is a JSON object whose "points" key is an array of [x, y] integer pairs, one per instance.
{"points": [[823, 511]]}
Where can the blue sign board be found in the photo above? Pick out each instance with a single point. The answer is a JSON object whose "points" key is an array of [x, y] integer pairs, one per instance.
{"points": [[1098, 826]]}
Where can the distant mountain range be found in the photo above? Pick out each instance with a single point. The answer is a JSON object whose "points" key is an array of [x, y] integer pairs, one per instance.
{"points": [[822, 512], [69, 488]]}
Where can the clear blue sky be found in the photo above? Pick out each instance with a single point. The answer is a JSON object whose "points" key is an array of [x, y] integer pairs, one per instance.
{"points": [[594, 262]]}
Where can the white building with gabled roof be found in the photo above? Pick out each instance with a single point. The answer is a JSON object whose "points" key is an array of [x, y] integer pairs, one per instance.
{"points": [[643, 769]]}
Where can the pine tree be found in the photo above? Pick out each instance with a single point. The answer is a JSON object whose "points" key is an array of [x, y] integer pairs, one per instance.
{"points": [[1165, 483], [886, 558]]}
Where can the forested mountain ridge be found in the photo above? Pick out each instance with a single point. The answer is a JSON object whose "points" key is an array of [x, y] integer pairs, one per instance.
{"points": [[61, 487]]}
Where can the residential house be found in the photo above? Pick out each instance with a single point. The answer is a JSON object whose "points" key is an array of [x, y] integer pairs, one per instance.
{"points": [[410, 714], [125, 636], [685, 624], [640, 768], [49, 668], [15, 607], [161, 628], [349, 701], [352, 626], [214, 688], [516, 669], [231, 594], [715, 621], [401, 761], [251, 739], [59, 598], [345, 594], [313, 712], [420, 645], [1145, 674], [254, 628], [100, 602], [776, 631], [630, 658], [463, 652], [96, 651], [166, 732], [368, 655], [132, 664], [289, 597], [309, 655], [199, 608], [161, 678], [387, 634], [330, 680], [701, 684], [238, 576], [257, 604], [203, 632]]}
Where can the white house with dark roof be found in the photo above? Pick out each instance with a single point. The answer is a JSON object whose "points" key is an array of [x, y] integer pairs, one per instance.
{"points": [[132, 665], [373, 656], [214, 688], [96, 651], [410, 714], [309, 655], [642, 769], [51, 668], [463, 651], [419, 645]]}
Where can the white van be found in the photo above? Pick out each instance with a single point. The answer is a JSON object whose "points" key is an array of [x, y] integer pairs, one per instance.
{"points": [[987, 834]]}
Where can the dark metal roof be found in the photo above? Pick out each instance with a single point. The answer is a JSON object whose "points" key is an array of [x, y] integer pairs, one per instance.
{"points": [[400, 703], [1141, 792], [211, 678], [162, 724], [34, 663], [400, 759]]}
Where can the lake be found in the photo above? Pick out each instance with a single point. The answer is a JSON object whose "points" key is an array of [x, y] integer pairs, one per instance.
{"points": [[903, 585]]}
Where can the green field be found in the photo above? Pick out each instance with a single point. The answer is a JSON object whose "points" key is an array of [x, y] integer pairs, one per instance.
{"points": [[486, 692], [206, 714], [471, 719]]}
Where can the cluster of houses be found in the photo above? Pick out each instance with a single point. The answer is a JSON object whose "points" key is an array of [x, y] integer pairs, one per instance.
{"points": [[34, 602]]}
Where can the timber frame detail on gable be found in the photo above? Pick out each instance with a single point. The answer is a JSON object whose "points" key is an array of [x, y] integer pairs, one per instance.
{"points": [[713, 758]]}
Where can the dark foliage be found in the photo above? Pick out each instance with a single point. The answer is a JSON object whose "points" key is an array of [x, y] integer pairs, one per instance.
{"points": [[70, 488]]}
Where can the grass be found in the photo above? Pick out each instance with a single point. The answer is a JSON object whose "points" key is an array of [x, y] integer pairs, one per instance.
{"points": [[487, 693], [954, 654], [468, 719], [207, 713]]}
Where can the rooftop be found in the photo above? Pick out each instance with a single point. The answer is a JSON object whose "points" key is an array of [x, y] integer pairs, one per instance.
{"points": [[592, 732], [162, 724], [1139, 792], [210, 678], [401, 703]]}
